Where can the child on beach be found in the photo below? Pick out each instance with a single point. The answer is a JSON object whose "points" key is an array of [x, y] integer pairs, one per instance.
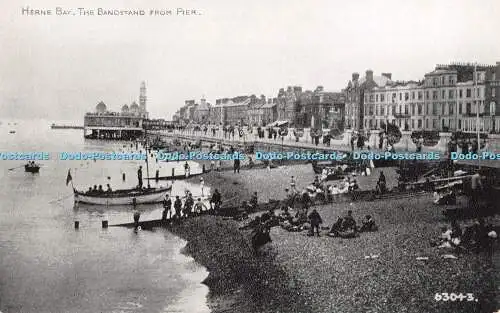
{"points": [[315, 220]]}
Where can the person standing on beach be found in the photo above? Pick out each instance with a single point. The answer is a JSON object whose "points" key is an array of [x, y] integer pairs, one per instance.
{"points": [[315, 220], [137, 216], [186, 169], [188, 205], [202, 185], [177, 207], [139, 176], [292, 184], [167, 208], [237, 164], [216, 200], [306, 201], [289, 197]]}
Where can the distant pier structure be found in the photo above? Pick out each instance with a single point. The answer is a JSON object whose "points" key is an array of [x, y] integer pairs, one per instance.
{"points": [[124, 125]]}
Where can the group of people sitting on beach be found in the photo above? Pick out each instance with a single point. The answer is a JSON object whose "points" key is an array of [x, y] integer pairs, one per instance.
{"points": [[247, 207], [344, 227], [476, 237], [98, 190]]}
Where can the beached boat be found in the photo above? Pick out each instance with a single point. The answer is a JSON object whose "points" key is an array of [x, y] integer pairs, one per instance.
{"points": [[32, 168], [123, 196], [335, 169]]}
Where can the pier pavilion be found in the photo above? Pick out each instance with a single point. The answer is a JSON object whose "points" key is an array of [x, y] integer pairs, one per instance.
{"points": [[124, 125]]}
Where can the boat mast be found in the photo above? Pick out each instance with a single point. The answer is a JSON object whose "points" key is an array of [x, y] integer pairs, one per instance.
{"points": [[146, 148]]}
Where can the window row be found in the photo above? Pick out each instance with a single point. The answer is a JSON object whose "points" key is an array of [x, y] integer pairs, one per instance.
{"points": [[445, 94], [419, 109]]}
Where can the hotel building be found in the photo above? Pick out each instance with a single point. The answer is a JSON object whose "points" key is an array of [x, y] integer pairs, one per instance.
{"points": [[447, 99]]}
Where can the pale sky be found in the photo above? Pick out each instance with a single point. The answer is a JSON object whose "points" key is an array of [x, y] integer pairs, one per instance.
{"points": [[59, 67]]}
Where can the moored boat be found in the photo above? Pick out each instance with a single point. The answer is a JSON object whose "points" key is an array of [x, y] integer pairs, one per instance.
{"points": [[175, 177], [123, 196], [32, 168], [335, 168]]}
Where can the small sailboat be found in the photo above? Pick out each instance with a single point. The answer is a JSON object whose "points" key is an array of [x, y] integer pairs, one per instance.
{"points": [[132, 196], [123, 196]]}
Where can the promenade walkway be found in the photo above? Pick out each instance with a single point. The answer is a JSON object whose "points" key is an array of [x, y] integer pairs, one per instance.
{"points": [[288, 141]]}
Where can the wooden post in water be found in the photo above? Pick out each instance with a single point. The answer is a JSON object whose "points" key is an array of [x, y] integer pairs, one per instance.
{"points": [[77, 224], [104, 224], [204, 169], [173, 172]]}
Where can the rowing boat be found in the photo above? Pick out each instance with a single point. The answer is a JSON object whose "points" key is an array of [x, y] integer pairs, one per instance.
{"points": [[123, 196], [32, 168]]}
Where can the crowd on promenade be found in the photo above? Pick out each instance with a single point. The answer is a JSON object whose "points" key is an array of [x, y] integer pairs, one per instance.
{"points": [[271, 134]]}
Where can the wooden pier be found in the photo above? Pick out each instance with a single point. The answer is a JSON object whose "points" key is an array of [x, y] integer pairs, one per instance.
{"points": [[54, 126]]}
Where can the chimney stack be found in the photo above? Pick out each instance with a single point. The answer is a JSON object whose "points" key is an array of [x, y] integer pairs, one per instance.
{"points": [[355, 76], [369, 75], [388, 75]]}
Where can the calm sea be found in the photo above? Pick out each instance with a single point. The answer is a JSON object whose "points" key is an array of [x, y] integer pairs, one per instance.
{"points": [[48, 266]]}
